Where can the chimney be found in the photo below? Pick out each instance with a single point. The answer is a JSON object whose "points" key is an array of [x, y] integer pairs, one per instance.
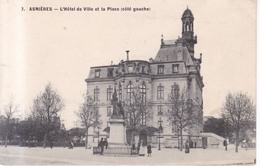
{"points": [[127, 55]]}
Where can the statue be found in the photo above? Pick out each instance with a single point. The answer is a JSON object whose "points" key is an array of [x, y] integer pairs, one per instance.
{"points": [[121, 110], [118, 111]]}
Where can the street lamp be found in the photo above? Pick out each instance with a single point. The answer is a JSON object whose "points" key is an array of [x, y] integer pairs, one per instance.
{"points": [[98, 132], [178, 138], [160, 130]]}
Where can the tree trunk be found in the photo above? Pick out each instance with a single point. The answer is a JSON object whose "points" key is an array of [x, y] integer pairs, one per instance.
{"points": [[132, 138], [237, 140], [86, 140], [45, 139], [6, 138], [181, 140]]}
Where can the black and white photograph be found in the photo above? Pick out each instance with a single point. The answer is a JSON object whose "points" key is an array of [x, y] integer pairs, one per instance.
{"points": [[125, 82]]}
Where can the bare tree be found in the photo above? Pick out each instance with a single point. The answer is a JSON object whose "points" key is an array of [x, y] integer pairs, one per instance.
{"points": [[137, 112], [239, 111], [8, 120], [88, 116], [181, 111], [46, 108]]}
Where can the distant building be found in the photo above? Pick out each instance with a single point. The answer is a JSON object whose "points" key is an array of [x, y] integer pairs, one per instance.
{"points": [[205, 118], [174, 65]]}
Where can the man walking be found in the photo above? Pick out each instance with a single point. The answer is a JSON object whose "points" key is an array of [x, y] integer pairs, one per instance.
{"points": [[101, 145], [225, 144]]}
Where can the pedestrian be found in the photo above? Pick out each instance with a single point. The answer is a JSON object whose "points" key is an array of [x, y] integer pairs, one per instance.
{"points": [[187, 148], [51, 145], [105, 143], [191, 144], [133, 145], [149, 150], [101, 145], [138, 146], [142, 149], [71, 145], [225, 144]]}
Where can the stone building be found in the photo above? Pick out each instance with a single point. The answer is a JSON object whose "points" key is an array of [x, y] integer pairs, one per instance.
{"points": [[174, 65]]}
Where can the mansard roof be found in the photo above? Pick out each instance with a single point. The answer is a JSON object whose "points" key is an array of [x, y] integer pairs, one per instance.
{"points": [[173, 50]]}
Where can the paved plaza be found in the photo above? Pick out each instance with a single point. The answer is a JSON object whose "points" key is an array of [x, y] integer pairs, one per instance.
{"points": [[14, 155]]}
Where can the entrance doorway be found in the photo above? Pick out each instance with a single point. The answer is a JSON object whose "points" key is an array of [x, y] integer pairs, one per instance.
{"points": [[143, 136]]}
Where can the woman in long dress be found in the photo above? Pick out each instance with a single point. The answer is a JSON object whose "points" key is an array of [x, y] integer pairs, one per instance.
{"points": [[142, 149]]}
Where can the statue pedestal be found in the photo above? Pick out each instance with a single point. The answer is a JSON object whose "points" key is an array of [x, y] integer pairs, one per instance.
{"points": [[117, 136]]}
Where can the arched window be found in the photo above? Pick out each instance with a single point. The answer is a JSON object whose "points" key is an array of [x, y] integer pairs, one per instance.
{"points": [[187, 26], [130, 91], [143, 93]]}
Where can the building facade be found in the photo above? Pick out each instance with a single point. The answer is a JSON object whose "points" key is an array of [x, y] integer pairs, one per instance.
{"points": [[174, 65]]}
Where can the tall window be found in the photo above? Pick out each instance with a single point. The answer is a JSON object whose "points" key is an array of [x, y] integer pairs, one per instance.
{"points": [[130, 91], [109, 111], [109, 93], [175, 68], [143, 93], [160, 110], [120, 92], [96, 94], [97, 73], [174, 128], [160, 92], [175, 89], [160, 69], [96, 112]]}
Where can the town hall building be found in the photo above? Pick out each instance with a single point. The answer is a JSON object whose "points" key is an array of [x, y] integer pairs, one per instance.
{"points": [[175, 65]]}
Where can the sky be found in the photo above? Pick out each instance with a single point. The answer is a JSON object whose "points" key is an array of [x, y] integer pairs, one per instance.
{"points": [[38, 47]]}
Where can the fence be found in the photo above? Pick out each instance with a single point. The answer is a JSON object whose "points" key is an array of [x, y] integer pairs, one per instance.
{"points": [[116, 151]]}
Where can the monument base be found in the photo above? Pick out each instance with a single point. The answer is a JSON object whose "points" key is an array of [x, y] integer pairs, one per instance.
{"points": [[117, 135]]}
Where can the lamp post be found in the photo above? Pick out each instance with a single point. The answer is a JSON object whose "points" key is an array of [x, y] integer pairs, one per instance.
{"points": [[98, 133], [178, 139], [160, 130]]}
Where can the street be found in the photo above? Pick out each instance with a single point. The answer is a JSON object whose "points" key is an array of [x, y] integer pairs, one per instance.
{"points": [[14, 155]]}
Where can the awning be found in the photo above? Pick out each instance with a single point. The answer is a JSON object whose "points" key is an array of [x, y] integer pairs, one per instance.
{"points": [[107, 129], [149, 129]]}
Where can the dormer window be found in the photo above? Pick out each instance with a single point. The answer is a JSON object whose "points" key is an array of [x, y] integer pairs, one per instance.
{"points": [[175, 68], [143, 71], [110, 72], [97, 73], [130, 69], [160, 69]]}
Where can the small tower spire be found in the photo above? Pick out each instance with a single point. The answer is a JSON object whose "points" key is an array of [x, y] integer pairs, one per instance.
{"points": [[188, 30]]}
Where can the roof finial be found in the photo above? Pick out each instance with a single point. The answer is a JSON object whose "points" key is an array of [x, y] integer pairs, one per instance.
{"points": [[127, 55], [187, 7], [162, 40]]}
